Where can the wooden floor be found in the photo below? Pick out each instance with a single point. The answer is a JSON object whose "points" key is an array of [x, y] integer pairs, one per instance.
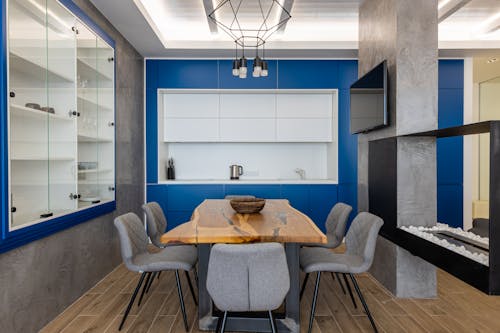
{"points": [[459, 308]]}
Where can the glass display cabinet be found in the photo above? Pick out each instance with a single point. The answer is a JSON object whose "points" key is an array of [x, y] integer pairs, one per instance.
{"points": [[60, 98]]}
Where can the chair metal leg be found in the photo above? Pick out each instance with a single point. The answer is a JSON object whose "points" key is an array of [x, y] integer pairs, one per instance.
{"points": [[223, 326], [195, 276], [303, 286], [132, 299], [151, 281], [362, 299], [340, 283], [144, 288], [333, 276], [159, 273], [313, 306], [181, 300], [273, 324], [350, 291], [219, 322], [191, 287]]}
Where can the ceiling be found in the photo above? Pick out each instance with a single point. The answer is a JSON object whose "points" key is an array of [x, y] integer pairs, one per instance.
{"points": [[318, 28]]}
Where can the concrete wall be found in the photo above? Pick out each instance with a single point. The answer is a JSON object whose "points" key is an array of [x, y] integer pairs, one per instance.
{"points": [[39, 280], [404, 32]]}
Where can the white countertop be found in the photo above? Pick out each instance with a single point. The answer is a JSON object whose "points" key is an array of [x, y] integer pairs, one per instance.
{"points": [[248, 181]]}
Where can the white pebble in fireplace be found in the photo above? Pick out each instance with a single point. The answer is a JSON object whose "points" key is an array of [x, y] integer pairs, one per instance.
{"points": [[427, 234]]}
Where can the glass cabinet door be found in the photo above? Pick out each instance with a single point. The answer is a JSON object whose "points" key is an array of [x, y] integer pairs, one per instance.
{"points": [[61, 51], [29, 124], [88, 133], [61, 113], [106, 120]]}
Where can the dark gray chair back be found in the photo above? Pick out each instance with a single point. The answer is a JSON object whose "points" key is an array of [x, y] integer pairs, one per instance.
{"points": [[248, 277], [336, 223], [156, 222], [133, 238], [362, 238]]}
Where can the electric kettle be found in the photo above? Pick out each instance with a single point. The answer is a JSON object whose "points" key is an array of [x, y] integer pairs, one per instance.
{"points": [[235, 171]]}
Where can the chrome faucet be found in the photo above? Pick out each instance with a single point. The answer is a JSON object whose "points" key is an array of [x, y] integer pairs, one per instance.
{"points": [[301, 173]]}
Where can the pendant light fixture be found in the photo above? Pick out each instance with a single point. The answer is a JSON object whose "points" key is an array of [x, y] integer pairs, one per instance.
{"points": [[250, 23]]}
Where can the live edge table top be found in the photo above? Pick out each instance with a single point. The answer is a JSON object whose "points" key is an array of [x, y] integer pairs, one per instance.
{"points": [[215, 221]]}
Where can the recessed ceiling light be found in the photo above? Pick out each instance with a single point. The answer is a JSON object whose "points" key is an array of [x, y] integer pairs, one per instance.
{"points": [[492, 60]]}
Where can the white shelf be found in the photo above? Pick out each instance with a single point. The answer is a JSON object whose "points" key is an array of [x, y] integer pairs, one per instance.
{"points": [[99, 107], [29, 66], [92, 139], [99, 182], [256, 181], [43, 158], [19, 110], [88, 71], [82, 172]]}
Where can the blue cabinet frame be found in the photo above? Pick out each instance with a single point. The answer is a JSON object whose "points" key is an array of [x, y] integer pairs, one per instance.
{"points": [[12, 239]]}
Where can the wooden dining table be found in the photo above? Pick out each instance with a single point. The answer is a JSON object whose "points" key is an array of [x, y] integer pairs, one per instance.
{"points": [[215, 221]]}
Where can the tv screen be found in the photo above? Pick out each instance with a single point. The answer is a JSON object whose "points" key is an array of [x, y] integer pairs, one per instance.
{"points": [[369, 100]]}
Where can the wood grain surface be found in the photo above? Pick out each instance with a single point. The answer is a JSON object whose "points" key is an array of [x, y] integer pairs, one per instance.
{"points": [[458, 308], [215, 221]]}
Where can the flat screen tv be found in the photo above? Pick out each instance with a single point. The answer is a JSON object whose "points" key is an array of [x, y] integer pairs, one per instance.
{"points": [[369, 100]]}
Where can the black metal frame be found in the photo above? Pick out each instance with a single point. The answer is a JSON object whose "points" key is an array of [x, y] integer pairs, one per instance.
{"points": [[382, 189], [306, 278], [358, 291], [222, 321], [150, 276]]}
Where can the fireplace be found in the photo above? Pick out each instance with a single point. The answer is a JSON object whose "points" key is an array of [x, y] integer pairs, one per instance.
{"points": [[471, 258]]}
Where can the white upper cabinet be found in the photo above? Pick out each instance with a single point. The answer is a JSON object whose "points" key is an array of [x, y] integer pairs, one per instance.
{"points": [[304, 117], [247, 105], [304, 105], [191, 105], [248, 116]]}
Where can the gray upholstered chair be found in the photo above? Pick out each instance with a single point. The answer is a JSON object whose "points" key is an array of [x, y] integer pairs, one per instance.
{"points": [[137, 258], [156, 226], [156, 222], [360, 249], [247, 278], [335, 224]]}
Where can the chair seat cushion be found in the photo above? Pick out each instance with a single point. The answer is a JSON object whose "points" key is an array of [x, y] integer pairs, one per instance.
{"points": [[314, 259], [182, 257], [331, 244]]}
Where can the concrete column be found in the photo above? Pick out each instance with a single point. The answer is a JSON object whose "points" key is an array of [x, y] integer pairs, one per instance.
{"points": [[405, 33]]}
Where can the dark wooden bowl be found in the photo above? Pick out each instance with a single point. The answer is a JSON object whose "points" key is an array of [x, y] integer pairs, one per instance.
{"points": [[247, 205]]}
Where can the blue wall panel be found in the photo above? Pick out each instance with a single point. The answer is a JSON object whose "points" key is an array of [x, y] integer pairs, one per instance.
{"points": [[449, 204], [348, 193], [321, 200], [158, 193], [228, 81], [260, 191], [186, 197], [451, 74], [347, 74], [450, 150], [303, 74], [177, 217], [298, 196], [192, 74], [151, 136], [308, 74], [348, 144]]}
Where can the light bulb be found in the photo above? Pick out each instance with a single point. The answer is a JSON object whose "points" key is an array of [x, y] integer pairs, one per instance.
{"points": [[243, 66], [236, 66], [264, 71], [257, 66]]}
